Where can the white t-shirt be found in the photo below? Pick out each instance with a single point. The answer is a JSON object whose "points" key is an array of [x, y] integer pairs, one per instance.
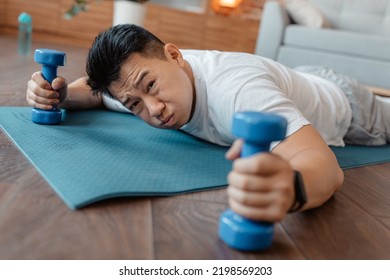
{"points": [[226, 83]]}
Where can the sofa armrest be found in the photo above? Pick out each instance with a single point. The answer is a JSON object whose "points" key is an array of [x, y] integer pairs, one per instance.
{"points": [[273, 23]]}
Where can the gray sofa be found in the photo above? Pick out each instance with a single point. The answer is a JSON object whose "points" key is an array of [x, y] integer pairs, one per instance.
{"points": [[356, 44]]}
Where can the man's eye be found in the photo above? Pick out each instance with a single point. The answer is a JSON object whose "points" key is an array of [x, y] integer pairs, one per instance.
{"points": [[134, 106], [150, 86]]}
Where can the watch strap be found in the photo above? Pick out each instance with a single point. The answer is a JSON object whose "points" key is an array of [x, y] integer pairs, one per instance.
{"points": [[300, 193]]}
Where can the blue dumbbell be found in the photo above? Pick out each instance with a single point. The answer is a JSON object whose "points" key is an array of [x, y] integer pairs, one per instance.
{"points": [[50, 60], [258, 131]]}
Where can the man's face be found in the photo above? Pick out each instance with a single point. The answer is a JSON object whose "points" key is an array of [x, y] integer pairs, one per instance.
{"points": [[160, 92]]}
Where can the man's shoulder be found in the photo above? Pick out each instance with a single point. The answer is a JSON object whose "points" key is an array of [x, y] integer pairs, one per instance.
{"points": [[193, 52]]}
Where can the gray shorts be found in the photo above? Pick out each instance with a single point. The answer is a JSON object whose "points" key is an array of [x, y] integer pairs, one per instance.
{"points": [[370, 124]]}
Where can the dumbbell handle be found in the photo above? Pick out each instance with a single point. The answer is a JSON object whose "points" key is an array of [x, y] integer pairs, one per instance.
{"points": [[249, 149], [49, 72]]}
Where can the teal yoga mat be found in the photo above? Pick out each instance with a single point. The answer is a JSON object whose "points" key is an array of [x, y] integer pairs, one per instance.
{"points": [[94, 155], [357, 156]]}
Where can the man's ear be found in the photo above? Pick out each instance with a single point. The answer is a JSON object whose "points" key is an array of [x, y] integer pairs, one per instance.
{"points": [[173, 53]]}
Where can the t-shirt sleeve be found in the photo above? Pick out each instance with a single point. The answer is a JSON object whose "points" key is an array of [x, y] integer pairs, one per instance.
{"points": [[263, 94], [114, 105]]}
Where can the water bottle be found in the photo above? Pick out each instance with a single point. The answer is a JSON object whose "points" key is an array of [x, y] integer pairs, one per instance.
{"points": [[24, 35]]}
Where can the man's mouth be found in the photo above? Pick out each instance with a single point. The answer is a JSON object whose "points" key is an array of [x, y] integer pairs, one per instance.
{"points": [[166, 120]]}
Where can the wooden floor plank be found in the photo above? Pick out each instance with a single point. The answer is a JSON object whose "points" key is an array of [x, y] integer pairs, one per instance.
{"points": [[385, 221], [379, 91], [369, 188], [42, 227], [213, 196], [36, 224], [185, 229], [340, 229]]}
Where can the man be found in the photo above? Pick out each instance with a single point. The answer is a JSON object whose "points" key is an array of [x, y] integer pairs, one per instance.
{"points": [[199, 91]]}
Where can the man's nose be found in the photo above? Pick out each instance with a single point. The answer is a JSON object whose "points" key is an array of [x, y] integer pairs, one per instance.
{"points": [[155, 106]]}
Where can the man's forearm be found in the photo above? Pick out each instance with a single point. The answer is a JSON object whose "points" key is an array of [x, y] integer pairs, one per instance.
{"points": [[321, 174], [306, 152], [80, 96]]}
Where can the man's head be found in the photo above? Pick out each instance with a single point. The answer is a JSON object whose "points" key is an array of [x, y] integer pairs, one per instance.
{"points": [[113, 47], [150, 78]]}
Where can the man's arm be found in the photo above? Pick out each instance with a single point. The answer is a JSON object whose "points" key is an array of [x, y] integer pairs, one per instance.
{"points": [[80, 96], [261, 187], [307, 152], [77, 95]]}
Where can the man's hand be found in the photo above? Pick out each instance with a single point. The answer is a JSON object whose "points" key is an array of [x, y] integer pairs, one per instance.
{"points": [[42, 95], [261, 187]]}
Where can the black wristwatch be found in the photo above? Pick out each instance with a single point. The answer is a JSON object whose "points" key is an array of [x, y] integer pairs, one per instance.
{"points": [[300, 193]]}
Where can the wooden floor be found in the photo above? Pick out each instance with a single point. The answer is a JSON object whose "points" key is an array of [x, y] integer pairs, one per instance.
{"points": [[36, 224]]}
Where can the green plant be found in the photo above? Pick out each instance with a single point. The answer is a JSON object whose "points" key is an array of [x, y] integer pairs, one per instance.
{"points": [[80, 6]]}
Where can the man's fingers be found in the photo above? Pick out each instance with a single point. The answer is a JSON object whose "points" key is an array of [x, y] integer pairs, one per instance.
{"points": [[40, 81], [40, 102], [260, 164], [58, 83], [250, 182], [235, 150], [37, 90], [251, 198]]}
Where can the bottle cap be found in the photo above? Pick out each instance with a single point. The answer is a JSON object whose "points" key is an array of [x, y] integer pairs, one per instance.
{"points": [[24, 18]]}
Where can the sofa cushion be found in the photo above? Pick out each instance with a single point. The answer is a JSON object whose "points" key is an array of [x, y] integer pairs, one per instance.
{"points": [[368, 71], [343, 42], [304, 13], [367, 16]]}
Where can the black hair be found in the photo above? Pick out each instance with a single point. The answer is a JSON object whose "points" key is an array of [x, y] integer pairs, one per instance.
{"points": [[112, 48]]}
